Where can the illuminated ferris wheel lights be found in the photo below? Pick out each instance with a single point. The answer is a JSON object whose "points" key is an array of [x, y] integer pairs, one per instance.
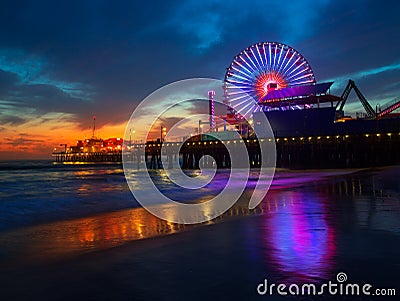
{"points": [[252, 62], [304, 76], [265, 55], [246, 106], [246, 62], [246, 97], [240, 92], [255, 57], [249, 111], [287, 63], [280, 55], [276, 48], [243, 78], [296, 76], [295, 69], [242, 72], [259, 55], [242, 102], [241, 109], [288, 69], [249, 72], [262, 68], [305, 82], [238, 83]]}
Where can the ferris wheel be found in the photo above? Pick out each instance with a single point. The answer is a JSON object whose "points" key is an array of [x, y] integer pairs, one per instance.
{"points": [[260, 69]]}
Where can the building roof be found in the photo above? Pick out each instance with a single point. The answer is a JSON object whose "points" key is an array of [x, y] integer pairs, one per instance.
{"points": [[297, 91]]}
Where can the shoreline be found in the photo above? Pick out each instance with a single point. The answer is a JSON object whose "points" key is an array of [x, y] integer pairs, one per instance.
{"points": [[56, 216], [86, 233]]}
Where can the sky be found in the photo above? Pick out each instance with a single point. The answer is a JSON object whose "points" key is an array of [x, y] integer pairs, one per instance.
{"points": [[62, 62]]}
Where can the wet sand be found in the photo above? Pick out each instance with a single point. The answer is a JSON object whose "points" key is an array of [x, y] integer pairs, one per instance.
{"points": [[210, 262]]}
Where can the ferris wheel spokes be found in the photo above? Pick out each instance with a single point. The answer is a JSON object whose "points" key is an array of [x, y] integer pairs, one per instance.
{"points": [[261, 68]]}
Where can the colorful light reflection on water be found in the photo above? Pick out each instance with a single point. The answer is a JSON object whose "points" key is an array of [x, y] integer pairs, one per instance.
{"points": [[300, 241]]}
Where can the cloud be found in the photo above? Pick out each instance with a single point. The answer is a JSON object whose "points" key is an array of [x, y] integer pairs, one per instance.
{"points": [[11, 120], [376, 85], [367, 73], [20, 141]]}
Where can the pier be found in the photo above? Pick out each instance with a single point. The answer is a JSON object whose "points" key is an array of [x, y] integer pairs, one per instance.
{"points": [[340, 151], [87, 157]]}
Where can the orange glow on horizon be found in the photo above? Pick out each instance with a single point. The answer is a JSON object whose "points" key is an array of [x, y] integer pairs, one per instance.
{"points": [[37, 141]]}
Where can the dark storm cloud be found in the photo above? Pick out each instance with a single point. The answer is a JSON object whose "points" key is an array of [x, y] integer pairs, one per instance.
{"points": [[122, 51]]}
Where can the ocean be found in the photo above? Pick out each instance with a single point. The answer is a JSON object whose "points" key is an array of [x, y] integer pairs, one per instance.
{"points": [[33, 192], [311, 225]]}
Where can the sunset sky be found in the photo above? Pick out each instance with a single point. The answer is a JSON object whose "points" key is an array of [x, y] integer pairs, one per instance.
{"points": [[61, 62]]}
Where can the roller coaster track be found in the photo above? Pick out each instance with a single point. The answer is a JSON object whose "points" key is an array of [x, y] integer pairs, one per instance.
{"points": [[351, 85], [390, 107]]}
